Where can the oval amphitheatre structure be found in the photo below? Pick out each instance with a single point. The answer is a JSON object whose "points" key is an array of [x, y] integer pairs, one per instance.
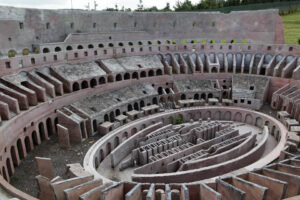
{"points": [[103, 105]]}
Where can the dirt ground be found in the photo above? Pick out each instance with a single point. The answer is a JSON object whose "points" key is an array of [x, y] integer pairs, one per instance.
{"points": [[24, 177]]}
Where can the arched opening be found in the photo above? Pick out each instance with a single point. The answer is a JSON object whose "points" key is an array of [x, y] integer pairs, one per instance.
{"points": [[196, 96], [100, 45], [130, 43], [55, 124], [214, 70], [183, 97], [125, 136], [57, 49], [101, 155], [108, 148], [151, 73], [90, 46], [118, 77], [129, 107], [112, 116], [34, 138], [118, 112], [158, 72], [121, 44], [135, 75], [106, 118], [93, 82], [116, 142], [203, 96], [136, 106], [238, 117], [96, 163], [142, 104], [126, 76], [27, 144], [95, 127], [84, 85], [133, 131], [210, 95], [160, 90], [9, 167], [111, 45], [14, 156], [110, 78], [75, 86], [143, 74], [46, 50], [154, 100], [20, 149], [42, 131], [69, 48], [224, 95], [79, 47], [102, 80], [167, 90], [49, 126], [4, 173]]}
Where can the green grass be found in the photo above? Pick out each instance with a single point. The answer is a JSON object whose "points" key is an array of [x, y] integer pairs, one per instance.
{"points": [[291, 25]]}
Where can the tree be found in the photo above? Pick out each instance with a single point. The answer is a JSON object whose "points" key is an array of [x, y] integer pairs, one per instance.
{"points": [[140, 6]]}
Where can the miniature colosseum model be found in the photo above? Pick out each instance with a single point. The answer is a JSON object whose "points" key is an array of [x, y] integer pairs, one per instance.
{"points": [[180, 114]]}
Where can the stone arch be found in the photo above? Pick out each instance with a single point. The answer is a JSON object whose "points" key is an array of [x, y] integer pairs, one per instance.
{"points": [[182, 97], [217, 115], [207, 114], [118, 77], [4, 173], [95, 125], [142, 103], [133, 131], [106, 118], [102, 80], [20, 149], [129, 107], [118, 112], [49, 126], [57, 49], [46, 50], [84, 85], [136, 106], [42, 131], [93, 82], [135, 75], [69, 48], [79, 47], [151, 73], [249, 119], [158, 72], [27, 144], [210, 95], [112, 116], [75, 86], [227, 116], [154, 100], [259, 122], [203, 96], [116, 142], [101, 154], [126, 76], [110, 78], [13, 155], [90, 46], [237, 117], [96, 162], [9, 167], [143, 74], [108, 148], [196, 96], [34, 138], [125, 136]]}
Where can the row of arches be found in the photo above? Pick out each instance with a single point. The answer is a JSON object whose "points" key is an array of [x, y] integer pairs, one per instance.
{"points": [[86, 84], [131, 106], [136, 75], [26, 144], [114, 143]]}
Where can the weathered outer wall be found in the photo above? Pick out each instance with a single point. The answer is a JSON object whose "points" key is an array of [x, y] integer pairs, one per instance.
{"points": [[254, 26]]}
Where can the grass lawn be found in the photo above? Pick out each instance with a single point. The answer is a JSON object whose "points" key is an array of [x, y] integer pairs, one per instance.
{"points": [[291, 25]]}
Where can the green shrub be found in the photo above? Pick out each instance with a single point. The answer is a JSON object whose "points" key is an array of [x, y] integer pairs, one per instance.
{"points": [[183, 41], [25, 52], [223, 41], [244, 41], [11, 54], [203, 41]]}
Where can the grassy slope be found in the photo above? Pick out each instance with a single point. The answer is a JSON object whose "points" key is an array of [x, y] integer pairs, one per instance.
{"points": [[291, 25]]}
